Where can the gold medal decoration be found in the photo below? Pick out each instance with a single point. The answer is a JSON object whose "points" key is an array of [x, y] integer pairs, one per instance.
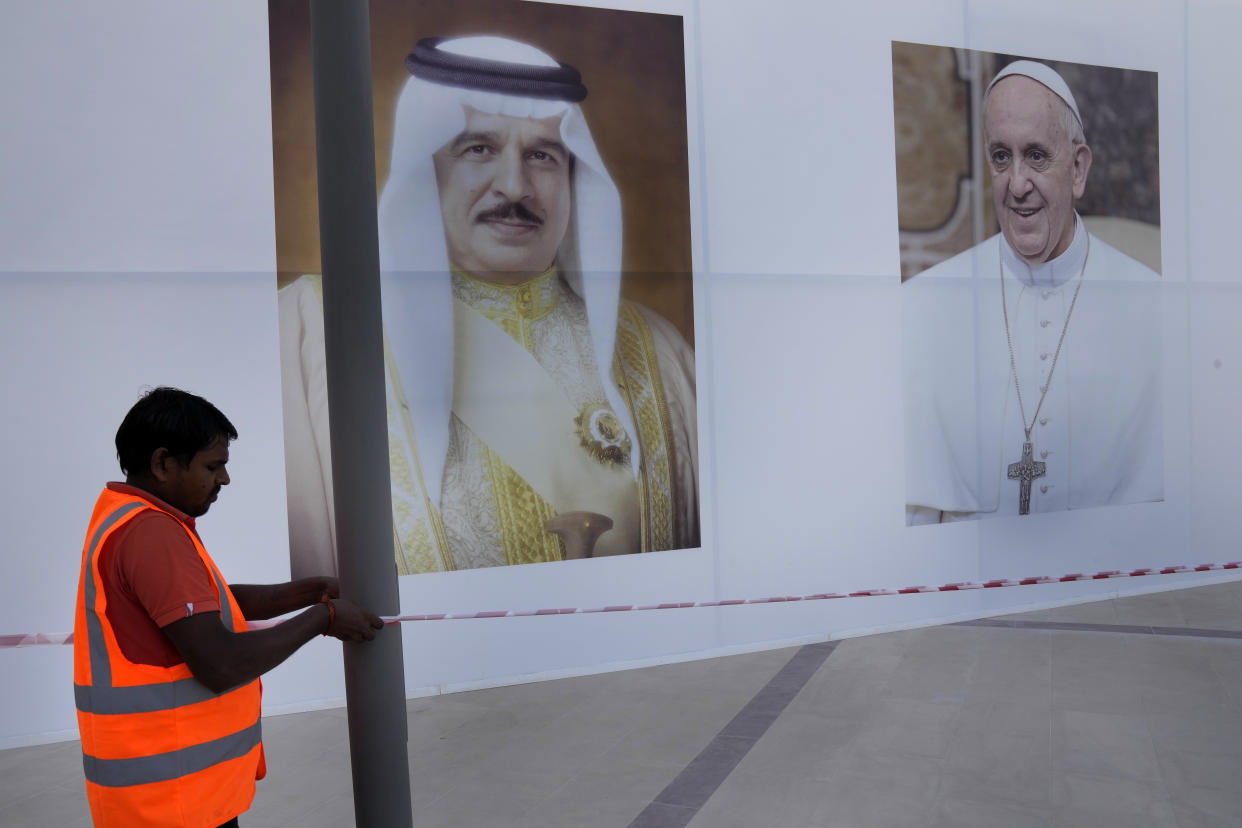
{"points": [[601, 434]]}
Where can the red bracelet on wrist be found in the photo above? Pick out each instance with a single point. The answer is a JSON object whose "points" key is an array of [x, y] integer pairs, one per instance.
{"points": [[326, 601]]}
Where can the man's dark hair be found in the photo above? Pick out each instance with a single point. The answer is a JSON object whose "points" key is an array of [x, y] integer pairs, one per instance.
{"points": [[169, 418]]}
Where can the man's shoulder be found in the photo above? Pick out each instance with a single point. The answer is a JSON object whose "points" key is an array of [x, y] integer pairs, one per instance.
{"points": [[150, 531]]}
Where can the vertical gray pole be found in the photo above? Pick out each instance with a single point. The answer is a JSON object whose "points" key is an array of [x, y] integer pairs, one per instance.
{"points": [[374, 674]]}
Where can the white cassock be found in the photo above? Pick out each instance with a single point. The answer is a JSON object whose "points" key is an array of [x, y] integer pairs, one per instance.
{"points": [[1098, 430], [505, 476]]}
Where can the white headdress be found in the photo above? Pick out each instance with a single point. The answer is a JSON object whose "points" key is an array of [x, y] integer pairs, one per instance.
{"points": [[495, 76]]}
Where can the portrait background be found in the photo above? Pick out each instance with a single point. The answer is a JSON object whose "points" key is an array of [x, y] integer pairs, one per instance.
{"points": [[944, 202], [633, 65]]}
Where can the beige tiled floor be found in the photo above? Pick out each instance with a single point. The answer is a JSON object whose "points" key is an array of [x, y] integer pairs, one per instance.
{"points": [[945, 726]]}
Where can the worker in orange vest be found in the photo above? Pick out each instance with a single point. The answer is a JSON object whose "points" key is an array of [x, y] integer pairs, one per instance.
{"points": [[166, 669]]}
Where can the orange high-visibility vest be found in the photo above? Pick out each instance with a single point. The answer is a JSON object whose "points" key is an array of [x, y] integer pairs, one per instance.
{"points": [[158, 747]]}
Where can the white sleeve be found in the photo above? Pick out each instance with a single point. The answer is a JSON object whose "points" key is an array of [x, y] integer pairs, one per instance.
{"points": [[308, 459]]}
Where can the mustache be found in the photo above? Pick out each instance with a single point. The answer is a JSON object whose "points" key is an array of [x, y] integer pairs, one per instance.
{"points": [[509, 210]]}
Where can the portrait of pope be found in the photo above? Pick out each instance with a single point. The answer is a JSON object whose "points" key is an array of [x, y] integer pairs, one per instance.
{"points": [[1031, 358]]}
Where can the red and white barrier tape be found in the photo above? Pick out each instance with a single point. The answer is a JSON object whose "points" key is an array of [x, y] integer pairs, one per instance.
{"points": [[33, 639]]}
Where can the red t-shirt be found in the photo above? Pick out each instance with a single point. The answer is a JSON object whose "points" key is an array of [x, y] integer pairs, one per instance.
{"points": [[152, 575]]}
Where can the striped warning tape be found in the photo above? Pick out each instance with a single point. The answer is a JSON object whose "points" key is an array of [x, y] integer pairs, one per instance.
{"points": [[34, 639]]}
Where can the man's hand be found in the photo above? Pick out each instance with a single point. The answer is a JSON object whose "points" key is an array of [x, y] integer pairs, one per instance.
{"points": [[351, 622], [259, 601]]}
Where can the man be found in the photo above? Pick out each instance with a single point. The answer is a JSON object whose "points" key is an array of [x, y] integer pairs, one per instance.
{"points": [[1032, 360], [523, 394], [166, 671]]}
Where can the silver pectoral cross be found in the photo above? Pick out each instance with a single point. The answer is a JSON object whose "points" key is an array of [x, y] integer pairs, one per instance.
{"points": [[1026, 470]]}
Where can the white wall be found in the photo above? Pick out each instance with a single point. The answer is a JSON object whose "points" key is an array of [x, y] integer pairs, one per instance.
{"points": [[137, 249]]}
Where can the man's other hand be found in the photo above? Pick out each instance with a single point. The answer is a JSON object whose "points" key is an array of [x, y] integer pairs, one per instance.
{"points": [[352, 622]]}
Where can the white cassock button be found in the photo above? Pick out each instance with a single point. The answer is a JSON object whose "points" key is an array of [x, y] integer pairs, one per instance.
{"points": [[1043, 323], [1044, 355], [1043, 388], [1044, 489], [1043, 421], [1043, 455]]}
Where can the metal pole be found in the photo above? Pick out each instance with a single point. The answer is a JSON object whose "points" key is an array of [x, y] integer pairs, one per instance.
{"points": [[374, 673]]}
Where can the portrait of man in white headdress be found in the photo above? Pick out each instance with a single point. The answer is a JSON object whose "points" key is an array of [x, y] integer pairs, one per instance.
{"points": [[534, 414], [1031, 358]]}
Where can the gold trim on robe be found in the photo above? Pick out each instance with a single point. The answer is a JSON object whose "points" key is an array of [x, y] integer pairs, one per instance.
{"points": [[643, 392]]}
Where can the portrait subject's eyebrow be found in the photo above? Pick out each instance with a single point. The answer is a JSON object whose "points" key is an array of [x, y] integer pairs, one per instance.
{"points": [[466, 139], [491, 138], [549, 145], [1027, 147]]}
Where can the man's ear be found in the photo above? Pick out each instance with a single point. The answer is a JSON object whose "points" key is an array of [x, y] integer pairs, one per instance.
{"points": [[1082, 166], [160, 458]]}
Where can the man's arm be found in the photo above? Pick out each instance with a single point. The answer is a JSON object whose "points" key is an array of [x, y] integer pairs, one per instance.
{"points": [[259, 601], [222, 659]]}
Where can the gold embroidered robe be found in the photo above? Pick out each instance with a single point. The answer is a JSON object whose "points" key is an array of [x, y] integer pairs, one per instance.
{"points": [[488, 514]]}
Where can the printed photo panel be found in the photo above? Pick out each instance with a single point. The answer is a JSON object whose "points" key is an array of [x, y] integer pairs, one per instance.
{"points": [[535, 246], [1029, 225]]}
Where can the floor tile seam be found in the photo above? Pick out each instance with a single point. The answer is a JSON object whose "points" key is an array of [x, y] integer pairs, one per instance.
{"points": [[1118, 629], [777, 694], [710, 761], [763, 714], [654, 806], [686, 795], [806, 662]]}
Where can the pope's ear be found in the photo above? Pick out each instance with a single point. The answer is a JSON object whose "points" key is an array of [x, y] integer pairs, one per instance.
{"points": [[1082, 166]]}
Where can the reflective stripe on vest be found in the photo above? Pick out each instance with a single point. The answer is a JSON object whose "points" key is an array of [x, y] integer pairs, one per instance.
{"points": [[119, 773], [140, 698], [101, 668]]}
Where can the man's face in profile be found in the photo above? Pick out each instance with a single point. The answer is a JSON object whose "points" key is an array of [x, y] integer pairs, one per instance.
{"points": [[1036, 172], [192, 487], [504, 195]]}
